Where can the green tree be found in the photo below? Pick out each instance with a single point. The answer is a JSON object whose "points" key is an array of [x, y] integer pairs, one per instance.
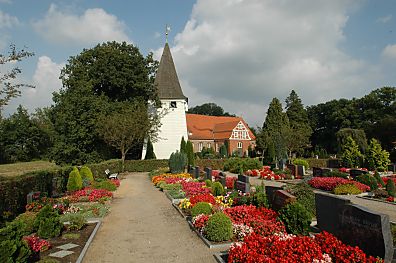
{"points": [[223, 151], [21, 139], [211, 109], [300, 130], [127, 127], [8, 88], [93, 81], [150, 151], [276, 128], [358, 135], [183, 145], [190, 154], [351, 156], [74, 182], [376, 157]]}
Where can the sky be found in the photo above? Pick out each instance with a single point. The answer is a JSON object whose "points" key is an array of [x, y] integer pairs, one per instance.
{"points": [[237, 53]]}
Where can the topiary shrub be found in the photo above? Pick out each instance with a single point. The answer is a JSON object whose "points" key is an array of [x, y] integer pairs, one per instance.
{"points": [[347, 189], [47, 223], [177, 162], [296, 218], [301, 162], [390, 188], [201, 208], [208, 183], [217, 189], [379, 179], [369, 180], [218, 228], [86, 176], [74, 182], [12, 247]]}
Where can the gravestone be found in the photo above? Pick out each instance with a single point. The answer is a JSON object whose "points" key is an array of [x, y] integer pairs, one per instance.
{"points": [[270, 190], [242, 184], [333, 163], [281, 199], [300, 170], [392, 167], [292, 169], [282, 163], [32, 196], [356, 172], [208, 173], [223, 179], [190, 169], [196, 172], [355, 225], [320, 172]]}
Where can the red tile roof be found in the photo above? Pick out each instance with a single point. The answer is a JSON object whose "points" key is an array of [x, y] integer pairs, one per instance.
{"points": [[203, 127]]}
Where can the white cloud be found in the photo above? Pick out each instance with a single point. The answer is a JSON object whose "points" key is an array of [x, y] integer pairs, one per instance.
{"points": [[389, 51], [384, 19], [92, 27], [5, 1], [46, 81], [240, 54], [7, 21]]}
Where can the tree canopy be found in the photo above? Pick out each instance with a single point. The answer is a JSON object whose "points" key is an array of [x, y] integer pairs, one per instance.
{"points": [[210, 109]]}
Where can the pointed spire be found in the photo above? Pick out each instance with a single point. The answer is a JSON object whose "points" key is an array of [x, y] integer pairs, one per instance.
{"points": [[166, 80]]}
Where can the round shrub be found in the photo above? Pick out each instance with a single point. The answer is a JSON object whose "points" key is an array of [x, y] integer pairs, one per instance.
{"points": [[369, 180], [47, 223], [301, 162], [390, 188], [201, 208], [86, 175], [217, 189], [208, 183], [74, 182], [218, 228], [347, 189], [296, 218]]}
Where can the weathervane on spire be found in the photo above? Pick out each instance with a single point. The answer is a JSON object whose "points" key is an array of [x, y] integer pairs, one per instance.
{"points": [[167, 30]]}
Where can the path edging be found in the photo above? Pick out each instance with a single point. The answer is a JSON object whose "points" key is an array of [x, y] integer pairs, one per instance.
{"points": [[85, 249]]}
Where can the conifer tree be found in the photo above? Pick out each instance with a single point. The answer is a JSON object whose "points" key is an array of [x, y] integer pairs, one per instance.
{"points": [[190, 153], [150, 151], [183, 145], [351, 156], [74, 182], [376, 157], [300, 130]]}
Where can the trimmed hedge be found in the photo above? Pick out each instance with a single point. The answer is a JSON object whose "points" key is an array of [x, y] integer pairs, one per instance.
{"points": [[215, 164], [312, 162]]}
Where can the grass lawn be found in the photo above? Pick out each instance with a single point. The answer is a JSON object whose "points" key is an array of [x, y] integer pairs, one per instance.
{"points": [[7, 170]]}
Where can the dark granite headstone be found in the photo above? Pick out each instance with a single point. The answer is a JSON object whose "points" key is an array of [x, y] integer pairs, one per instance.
{"points": [[333, 163], [392, 167], [282, 163], [223, 179], [243, 178], [270, 190], [190, 169], [300, 170], [356, 172], [355, 225], [196, 172], [243, 187], [208, 173], [320, 172], [292, 168], [281, 199]]}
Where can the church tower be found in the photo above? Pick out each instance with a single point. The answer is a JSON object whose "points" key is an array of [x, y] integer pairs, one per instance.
{"points": [[174, 104]]}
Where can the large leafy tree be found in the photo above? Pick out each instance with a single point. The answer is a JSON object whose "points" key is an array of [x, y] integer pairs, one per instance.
{"points": [[22, 139], [93, 81], [127, 126], [276, 129], [300, 130], [8, 74], [211, 109]]}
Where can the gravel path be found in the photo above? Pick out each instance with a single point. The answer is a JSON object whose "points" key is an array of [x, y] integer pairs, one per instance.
{"points": [[144, 227]]}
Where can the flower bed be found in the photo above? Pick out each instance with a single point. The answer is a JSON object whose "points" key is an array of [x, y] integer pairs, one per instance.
{"points": [[329, 183], [158, 178], [88, 194], [267, 174]]}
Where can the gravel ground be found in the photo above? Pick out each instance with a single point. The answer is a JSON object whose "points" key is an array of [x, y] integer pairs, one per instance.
{"points": [[144, 227]]}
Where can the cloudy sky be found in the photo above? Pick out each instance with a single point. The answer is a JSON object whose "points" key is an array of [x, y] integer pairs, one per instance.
{"points": [[236, 53]]}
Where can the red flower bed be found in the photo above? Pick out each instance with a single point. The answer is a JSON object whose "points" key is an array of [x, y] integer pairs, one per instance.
{"points": [[208, 198], [116, 182], [287, 248], [36, 244], [329, 183], [265, 173], [230, 182], [194, 188], [93, 195], [386, 179], [174, 180]]}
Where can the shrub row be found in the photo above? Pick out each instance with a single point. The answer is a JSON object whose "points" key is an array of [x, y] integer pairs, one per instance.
{"points": [[313, 162]]}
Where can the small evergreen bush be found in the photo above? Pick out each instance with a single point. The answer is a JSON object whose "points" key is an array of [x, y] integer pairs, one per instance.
{"points": [[218, 228], [201, 208], [75, 182], [208, 183], [368, 180], [390, 188], [296, 218], [301, 162], [150, 151], [379, 179], [86, 175], [260, 199], [47, 223], [346, 189], [335, 174], [27, 219], [177, 162], [76, 221], [217, 189], [305, 196], [190, 153], [12, 247]]}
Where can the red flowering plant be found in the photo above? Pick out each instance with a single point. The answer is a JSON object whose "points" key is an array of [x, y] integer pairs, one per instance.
{"points": [[199, 221], [390, 199], [216, 175], [230, 182], [194, 188], [206, 197], [265, 173], [36, 244], [329, 183], [91, 195], [387, 178], [116, 182]]}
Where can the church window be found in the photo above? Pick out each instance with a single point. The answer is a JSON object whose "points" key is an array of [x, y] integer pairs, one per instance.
{"points": [[173, 104], [239, 145], [200, 146], [209, 145]]}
